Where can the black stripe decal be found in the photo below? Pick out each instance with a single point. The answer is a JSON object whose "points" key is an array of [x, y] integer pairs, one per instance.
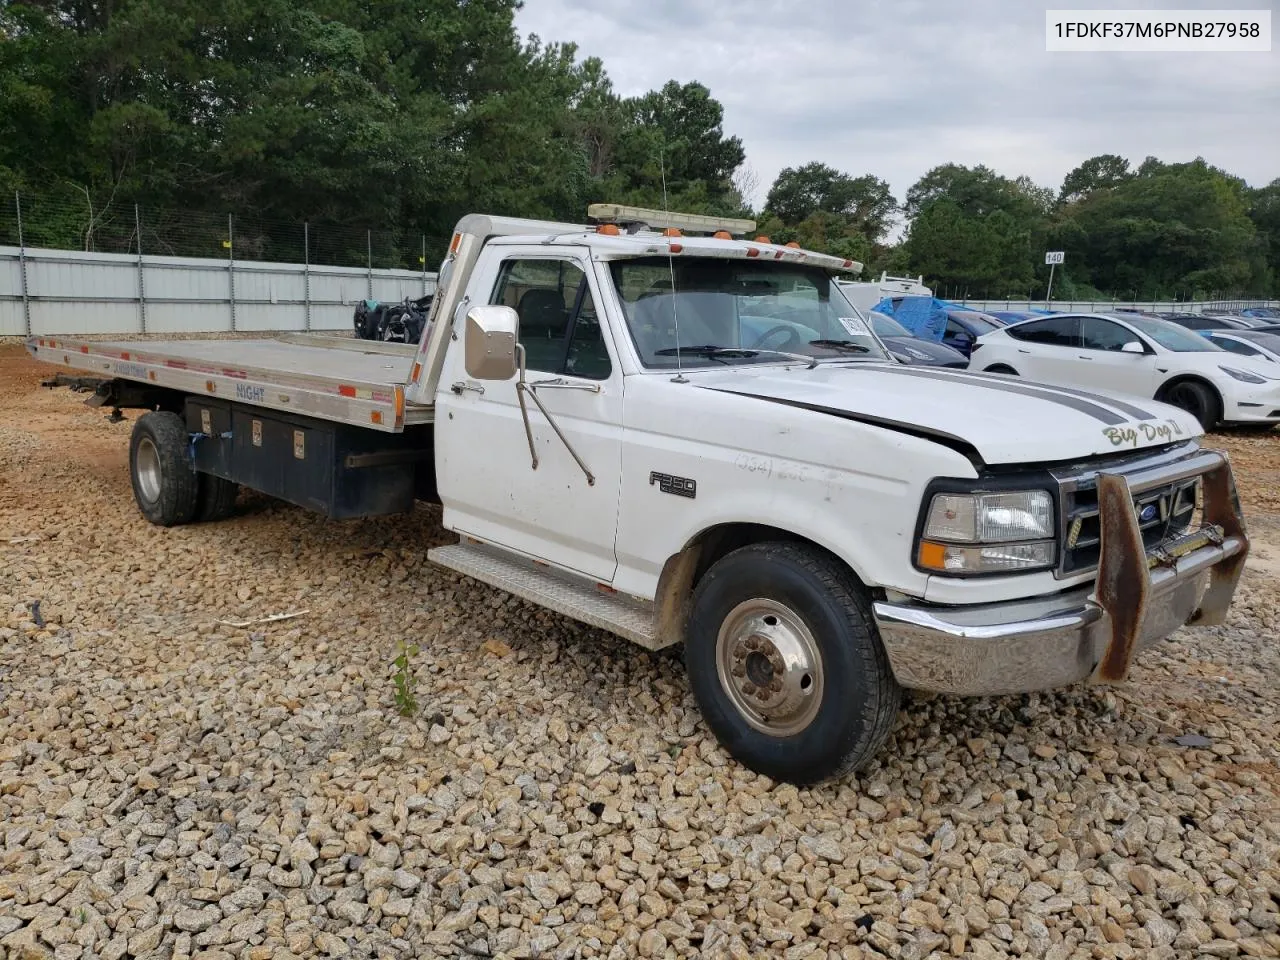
{"points": [[1135, 413], [958, 444], [994, 383]]}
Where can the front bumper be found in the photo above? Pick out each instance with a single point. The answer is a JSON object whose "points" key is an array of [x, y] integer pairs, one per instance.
{"points": [[1093, 631]]}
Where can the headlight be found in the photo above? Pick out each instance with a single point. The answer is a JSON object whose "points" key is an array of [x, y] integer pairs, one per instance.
{"points": [[988, 532], [1244, 376]]}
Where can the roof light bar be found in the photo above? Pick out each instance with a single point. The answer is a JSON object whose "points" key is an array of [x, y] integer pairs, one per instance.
{"points": [[659, 219]]}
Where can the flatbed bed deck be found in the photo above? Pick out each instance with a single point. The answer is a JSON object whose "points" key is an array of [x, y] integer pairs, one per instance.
{"points": [[358, 382]]}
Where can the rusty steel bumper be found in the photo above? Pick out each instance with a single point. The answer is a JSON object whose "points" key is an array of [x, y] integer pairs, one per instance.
{"points": [[1140, 596]]}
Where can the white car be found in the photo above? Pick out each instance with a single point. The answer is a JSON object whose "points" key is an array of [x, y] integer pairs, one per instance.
{"points": [[1248, 343], [1142, 356]]}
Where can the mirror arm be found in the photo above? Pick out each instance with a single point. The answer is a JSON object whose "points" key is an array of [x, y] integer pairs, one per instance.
{"points": [[523, 388]]}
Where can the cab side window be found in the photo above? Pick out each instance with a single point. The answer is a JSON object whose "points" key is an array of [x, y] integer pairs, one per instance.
{"points": [[559, 327]]}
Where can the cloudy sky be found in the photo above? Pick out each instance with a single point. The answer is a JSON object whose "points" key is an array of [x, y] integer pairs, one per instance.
{"points": [[895, 88]]}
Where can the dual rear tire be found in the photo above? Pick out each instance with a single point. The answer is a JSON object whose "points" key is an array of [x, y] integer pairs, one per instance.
{"points": [[786, 664], [168, 491]]}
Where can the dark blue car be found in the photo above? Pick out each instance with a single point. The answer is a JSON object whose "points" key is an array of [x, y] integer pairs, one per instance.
{"points": [[911, 349], [966, 326]]}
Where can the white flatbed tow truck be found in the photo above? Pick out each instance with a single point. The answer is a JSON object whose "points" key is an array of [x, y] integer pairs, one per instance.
{"points": [[697, 440]]}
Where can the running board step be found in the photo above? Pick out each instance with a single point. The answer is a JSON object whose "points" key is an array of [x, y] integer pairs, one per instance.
{"points": [[548, 587]]}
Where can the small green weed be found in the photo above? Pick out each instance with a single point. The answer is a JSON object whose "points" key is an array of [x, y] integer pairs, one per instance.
{"points": [[406, 702]]}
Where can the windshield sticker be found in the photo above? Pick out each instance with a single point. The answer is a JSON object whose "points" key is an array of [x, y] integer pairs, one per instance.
{"points": [[855, 326], [1167, 431]]}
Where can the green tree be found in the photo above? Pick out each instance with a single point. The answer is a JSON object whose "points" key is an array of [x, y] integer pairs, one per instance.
{"points": [[976, 231], [1171, 230], [978, 191], [1264, 212], [864, 206], [1097, 173]]}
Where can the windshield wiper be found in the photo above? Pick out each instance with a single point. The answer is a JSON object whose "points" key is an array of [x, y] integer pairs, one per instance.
{"points": [[841, 345], [715, 352]]}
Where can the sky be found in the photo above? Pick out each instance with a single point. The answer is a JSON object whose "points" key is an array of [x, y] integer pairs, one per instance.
{"points": [[896, 88]]}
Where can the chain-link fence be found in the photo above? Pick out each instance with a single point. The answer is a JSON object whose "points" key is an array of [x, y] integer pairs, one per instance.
{"points": [[61, 222]]}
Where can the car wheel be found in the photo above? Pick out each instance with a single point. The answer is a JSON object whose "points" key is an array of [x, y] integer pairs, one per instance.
{"points": [[215, 498], [1198, 399], [164, 485], [1001, 368], [786, 664]]}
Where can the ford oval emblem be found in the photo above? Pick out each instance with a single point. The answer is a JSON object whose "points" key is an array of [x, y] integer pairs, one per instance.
{"points": [[1149, 512]]}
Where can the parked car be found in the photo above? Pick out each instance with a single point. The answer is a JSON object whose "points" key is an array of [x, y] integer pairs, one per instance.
{"points": [[912, 349], [1246, 323], [1016, 316], [1248, 343], [1201, 321], [1127, 354], [1270, 314], [964, 327]]}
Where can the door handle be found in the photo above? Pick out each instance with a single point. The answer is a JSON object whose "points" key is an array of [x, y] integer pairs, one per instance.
{"points": [[1020, 350], [1082, 356], [462, 385]]}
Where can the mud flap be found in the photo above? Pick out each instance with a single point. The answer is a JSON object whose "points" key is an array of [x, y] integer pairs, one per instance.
{"points": [[1124, 584], [1222, 508]]}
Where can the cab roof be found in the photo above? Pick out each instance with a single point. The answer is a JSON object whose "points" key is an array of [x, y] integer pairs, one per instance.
{"points": [[614, 244]]}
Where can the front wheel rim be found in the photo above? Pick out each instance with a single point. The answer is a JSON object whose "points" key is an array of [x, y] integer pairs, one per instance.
{"points": [[769, 664], [147, 467]]}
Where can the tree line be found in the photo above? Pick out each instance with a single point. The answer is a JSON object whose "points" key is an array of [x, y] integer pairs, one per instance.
{"points": [[402, 115]]}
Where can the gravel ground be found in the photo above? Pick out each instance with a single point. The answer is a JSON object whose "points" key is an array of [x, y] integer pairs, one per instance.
{"points": [[172, 786]]}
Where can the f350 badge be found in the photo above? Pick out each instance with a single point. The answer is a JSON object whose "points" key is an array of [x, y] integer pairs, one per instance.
{"points": [[680, 486]]}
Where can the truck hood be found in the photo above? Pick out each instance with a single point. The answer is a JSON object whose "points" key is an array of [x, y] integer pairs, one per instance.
{"points": [[1000, 419]]}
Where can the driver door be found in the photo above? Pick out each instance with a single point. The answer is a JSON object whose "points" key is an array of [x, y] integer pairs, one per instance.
{"points": [[1102, 365], [485, 473]]}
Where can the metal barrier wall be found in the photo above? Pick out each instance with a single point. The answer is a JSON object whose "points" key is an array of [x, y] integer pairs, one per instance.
{"points": [[1110, 306], [71, 292]]}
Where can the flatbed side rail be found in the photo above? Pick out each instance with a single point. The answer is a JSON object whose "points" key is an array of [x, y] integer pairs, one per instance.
{"points": [[377, 406]]}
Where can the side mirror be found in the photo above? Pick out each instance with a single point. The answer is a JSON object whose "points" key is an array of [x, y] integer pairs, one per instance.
{"points": [[490, 347], [1133, 346]]}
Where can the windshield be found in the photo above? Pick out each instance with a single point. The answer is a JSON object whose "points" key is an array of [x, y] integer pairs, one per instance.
{"points": [[734, 312], [885, 326], [1171, 336]]}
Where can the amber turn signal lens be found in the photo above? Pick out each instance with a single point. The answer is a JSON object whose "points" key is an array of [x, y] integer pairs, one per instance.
{"points": [[933, 555]]}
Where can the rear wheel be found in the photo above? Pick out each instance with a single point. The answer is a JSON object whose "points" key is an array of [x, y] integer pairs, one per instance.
{"points": [[1001, 368], [164, 485], [786, 665], [215, 498], [1198, 399]]}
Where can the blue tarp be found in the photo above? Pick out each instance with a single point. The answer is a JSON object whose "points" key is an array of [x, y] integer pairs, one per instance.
{"points": [[925, 317]]}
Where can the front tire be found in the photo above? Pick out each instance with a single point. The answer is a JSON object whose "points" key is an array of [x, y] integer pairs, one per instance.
{"points": [[1198, 399], [164, 485], [1001, 368], [786, 665]]}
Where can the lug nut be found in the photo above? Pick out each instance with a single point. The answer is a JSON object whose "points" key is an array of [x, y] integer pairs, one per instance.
{"points": [[739, 670], [748, 688]]}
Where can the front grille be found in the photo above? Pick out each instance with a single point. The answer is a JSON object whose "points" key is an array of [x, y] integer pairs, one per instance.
{"points": [[1163, 511]]}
